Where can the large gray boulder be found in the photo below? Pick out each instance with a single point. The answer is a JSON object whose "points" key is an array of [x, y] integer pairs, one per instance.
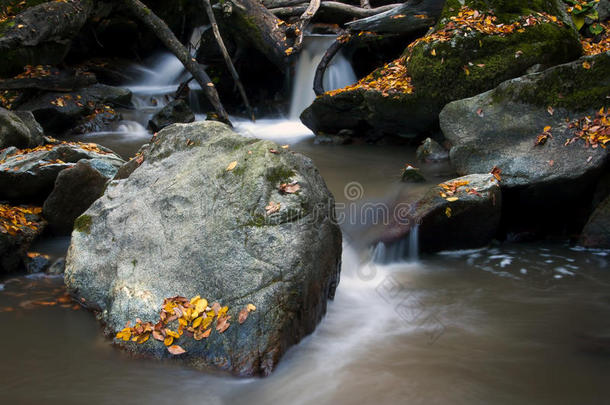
{"points": [[500, 127], [30, 175], [15, 132], [542, 179], [461, 213], [197, 217]]}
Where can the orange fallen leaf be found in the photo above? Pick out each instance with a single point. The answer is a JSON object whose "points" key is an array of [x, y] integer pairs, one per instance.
{"points": [[272, 207], [289, 188], [243, 315], [232, 165], [496, 171], [176, 350]]}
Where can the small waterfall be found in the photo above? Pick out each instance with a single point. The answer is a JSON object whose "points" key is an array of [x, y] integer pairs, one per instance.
{"points": [[400, 250], [339, 72], [414, 244], [163, 76]]}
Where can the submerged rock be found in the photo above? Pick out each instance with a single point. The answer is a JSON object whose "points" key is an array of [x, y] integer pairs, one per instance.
{"points": [[29, 175], [452, 62], [177, 111], [204, 215], [461, 213], [431, 151], [596, 233], [412, 174], [76, 188]]}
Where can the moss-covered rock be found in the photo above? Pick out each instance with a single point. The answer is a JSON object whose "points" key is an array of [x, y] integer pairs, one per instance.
{"points": [[471, 50]]}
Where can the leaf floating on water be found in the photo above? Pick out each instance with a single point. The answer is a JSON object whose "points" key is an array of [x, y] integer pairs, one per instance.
{"points": [[176, 350], [232, 165], [448, 212]]}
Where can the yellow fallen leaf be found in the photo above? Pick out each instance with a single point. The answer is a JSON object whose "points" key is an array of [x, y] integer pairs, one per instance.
{"points": [[448, 212], [586, 65], [547, 128], [168, 341], [232, 165], [451, 199], [143, 338], [251, 307], [201, 305], [197, 322]]}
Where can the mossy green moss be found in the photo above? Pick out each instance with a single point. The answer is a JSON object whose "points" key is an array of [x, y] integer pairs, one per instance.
{"points": [[470, 65], [570, 86], [279, 174], [506, 10], [83, 224]]}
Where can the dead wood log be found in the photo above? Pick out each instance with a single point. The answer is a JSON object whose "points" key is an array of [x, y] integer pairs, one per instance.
{"points": [[408, 17]]}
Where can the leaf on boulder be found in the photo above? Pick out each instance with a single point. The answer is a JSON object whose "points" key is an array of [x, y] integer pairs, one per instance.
{"points": [[176, 350], [232, 165], [243, 315], [272, 207], [289, 188]]}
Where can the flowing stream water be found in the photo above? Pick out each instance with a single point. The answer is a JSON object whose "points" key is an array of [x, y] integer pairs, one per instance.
{"points": [[508, 324]]}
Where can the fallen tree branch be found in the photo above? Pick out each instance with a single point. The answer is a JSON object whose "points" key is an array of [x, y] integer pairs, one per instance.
{"points": [[408, 17], [347, 9], [309, 13], [227, 58], [318, 80], [249, 21], [168, 38]]}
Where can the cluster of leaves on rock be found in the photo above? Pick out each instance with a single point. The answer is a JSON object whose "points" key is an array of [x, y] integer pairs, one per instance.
{"points": [[194, 316], [89, 147], [14, 220], [599, 44], [451, 190], [394, 77], [595, 131]]}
